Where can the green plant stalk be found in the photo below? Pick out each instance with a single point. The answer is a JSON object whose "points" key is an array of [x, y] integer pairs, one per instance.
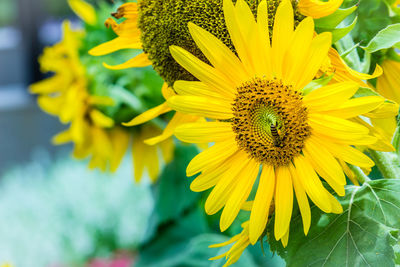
{"points": [[388, 163], [361, 176], [396, 140]]}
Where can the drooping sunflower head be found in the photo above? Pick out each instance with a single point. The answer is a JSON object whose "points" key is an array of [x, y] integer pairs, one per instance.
{"points": [[163, 23], [155, 25]]}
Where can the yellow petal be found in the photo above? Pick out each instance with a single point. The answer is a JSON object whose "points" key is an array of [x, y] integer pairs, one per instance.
{"points": [[50, 105], [317, 8], [120, 142], [285, 238], [302, 199], [62, 138], [326, 165], [334, 127], [336, 206], [116, 44], [138, 149], [282, 35], [241, 30], [298, 50], [189, 88], [386, 110], [210, 178], [318, 51], [219, 55], [151, 161], [240, 194], [312, 184], [330, 96], [100, 119], [201, 106], [217, 153], [283, 201], [345, 73], [263, 62], [388, 84], [349, 173], [204, 132], [149, 115], [84, 10], [262, 202], [357, 106], [177, 120], [101, 100], [167, 91], [49, 85], [139, 61], [204, 72], [167, 149], [347, 154], [226, 184]]}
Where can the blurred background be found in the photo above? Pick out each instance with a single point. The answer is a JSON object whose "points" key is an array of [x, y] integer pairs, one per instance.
{"points": [[54, 211], [26, 26]]}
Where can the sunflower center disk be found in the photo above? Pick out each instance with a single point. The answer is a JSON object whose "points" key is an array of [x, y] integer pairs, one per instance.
{"points": [[270, 121]]}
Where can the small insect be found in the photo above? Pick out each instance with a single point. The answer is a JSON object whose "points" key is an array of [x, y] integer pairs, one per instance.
{"points": [[275, 136]]}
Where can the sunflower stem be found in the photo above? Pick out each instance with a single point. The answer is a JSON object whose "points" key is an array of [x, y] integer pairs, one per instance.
{"points": [[387, 162], [361, 176]]}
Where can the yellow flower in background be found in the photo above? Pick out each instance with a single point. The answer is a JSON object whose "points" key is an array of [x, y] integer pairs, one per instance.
{"points": [[149, 159], [84, 10], [317, 8], [94, 135], [55, 94], [388, 84], [260, 118]]}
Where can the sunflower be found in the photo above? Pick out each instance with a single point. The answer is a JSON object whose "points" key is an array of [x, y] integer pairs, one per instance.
{"points": [[66, 95], [388, 84], [260, 120], [154, 25]]}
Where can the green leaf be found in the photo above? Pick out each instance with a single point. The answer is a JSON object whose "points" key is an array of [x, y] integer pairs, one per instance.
{"points": [[186, 243], [315, 84], [386, 38], [345, 45], [365, 91], [365, 234], [333, 20], [172, 193], [193, 252], [339, 33]]}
